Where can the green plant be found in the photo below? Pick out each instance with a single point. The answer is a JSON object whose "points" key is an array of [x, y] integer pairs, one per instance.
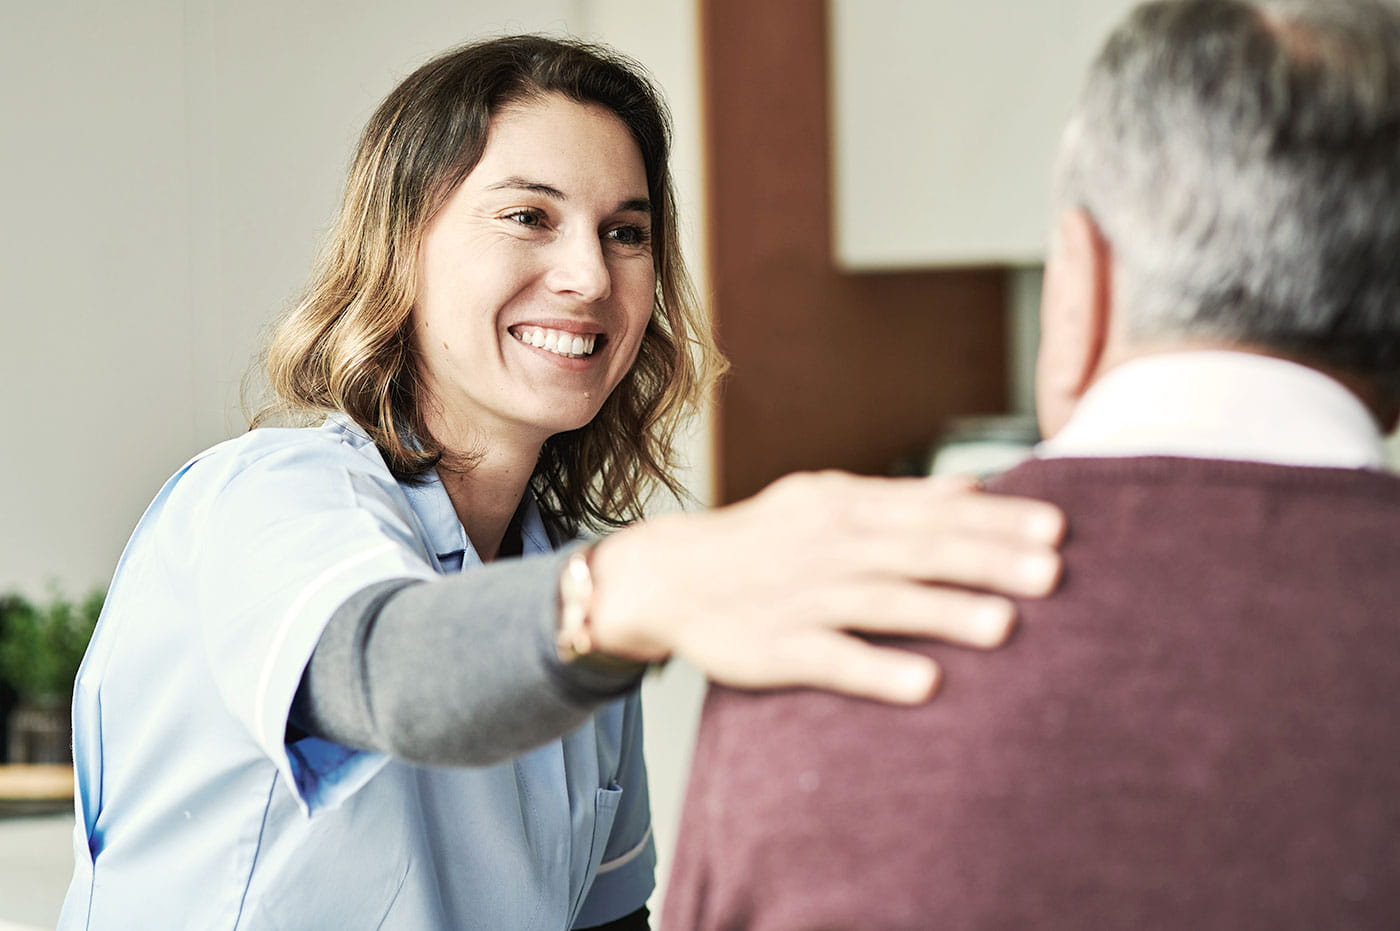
{"points": [[42, 645]]}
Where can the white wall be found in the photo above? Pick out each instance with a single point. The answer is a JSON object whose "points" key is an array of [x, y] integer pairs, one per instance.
{"points": [[947, 116], [170, 167], [97, 372]]}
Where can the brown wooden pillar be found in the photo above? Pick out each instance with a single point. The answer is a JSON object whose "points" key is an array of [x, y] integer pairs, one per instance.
{"points": [[829, 369]]}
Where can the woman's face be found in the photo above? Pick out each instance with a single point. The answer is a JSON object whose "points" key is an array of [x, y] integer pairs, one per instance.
{"points": [[535, 280]]}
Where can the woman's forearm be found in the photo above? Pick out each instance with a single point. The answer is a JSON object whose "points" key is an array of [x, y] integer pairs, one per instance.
{"points": [[458, 671]]}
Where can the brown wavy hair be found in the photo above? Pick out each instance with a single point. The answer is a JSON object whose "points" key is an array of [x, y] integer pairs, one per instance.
{"points": [[346, 346]]}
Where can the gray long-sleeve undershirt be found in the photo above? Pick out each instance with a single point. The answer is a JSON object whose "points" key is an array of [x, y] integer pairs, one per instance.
{"points": [[456, 671]]}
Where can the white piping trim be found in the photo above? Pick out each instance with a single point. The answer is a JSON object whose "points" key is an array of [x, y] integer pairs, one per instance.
{"points": [[628, 857], [320, 582]]}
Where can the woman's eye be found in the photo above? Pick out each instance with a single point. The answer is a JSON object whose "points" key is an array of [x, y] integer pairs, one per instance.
{"points": [[530, 218], [630, 235]]}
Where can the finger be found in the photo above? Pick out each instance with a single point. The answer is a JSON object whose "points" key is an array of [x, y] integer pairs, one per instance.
{"points": [[953, 483], [956, 558], [841, 663], [931, 531], [923, 505], [938, 531], [916, 610], [1004, 515]]}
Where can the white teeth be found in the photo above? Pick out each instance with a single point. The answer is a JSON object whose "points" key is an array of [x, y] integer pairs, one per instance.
{"points": [[557, 341]]}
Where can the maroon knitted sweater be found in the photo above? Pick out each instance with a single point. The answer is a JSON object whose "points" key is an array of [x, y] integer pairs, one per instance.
{"points": [[1199, 730]]}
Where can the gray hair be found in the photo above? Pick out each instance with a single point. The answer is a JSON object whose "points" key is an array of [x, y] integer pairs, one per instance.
{"points": [[1242, 157]]}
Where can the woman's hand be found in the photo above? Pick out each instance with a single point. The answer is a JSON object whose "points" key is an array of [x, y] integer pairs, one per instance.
{"points": [[762, 594]]}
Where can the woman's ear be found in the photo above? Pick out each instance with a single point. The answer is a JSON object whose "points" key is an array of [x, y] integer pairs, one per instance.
{"points": [[1076, 301]]}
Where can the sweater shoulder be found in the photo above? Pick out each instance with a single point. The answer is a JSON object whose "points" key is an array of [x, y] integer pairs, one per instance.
{"points": [[1069, 479]]}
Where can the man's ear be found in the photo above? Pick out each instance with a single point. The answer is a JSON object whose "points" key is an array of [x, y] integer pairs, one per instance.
{"points": [[1075, 307]]}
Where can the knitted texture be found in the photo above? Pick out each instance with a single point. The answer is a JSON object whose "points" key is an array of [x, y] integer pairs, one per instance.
{"points": [[1198, 730]]}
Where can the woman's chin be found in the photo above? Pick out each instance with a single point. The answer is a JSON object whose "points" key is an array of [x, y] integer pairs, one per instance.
{"points": [[571, 424], [557, 419]]}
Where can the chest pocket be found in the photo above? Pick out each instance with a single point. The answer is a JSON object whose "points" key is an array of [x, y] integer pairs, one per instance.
{"points": [[605, 805]]}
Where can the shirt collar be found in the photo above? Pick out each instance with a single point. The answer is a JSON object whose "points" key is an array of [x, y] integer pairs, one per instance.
{"points": [[448, 538], [430, 502], [1221, 405]]}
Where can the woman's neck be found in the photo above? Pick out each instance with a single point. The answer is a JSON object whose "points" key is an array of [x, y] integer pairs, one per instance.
{"points": [[486, 481], [486, 494]]}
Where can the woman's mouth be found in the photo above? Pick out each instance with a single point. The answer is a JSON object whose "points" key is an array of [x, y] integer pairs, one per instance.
{"points": [[559, 342]]}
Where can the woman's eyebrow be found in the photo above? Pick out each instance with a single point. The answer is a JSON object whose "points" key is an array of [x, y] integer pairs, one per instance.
{"points": [[517, 183]]}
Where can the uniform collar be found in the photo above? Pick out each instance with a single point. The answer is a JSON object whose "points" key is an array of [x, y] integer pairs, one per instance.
{"points": [[1221, 405], [444, 532], [448, 538]]}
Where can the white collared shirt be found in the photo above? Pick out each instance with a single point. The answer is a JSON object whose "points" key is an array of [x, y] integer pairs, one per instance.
{"points": [[1221, 405]]}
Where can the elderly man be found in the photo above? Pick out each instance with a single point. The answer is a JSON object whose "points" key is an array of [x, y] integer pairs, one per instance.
{"points": [[1200, 730]]}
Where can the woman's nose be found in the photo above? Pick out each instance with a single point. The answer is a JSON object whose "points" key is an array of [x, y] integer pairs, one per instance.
{"points": [[580, 268]]}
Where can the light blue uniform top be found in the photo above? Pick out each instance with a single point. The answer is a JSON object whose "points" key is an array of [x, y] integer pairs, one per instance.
{"points": [[193, 812]]}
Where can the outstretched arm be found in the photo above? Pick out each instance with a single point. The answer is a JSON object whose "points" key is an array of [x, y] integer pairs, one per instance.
{"points": [[762, 594]]}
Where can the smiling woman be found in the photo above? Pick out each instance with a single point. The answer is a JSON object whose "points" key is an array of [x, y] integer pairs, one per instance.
{"points": [[535, 241], [515, 141], [352, 674]]}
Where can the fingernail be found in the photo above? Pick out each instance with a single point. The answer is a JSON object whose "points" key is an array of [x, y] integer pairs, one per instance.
{"points": [[916, 681], [1047, 525], [994, 620], [1038, 573]]}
